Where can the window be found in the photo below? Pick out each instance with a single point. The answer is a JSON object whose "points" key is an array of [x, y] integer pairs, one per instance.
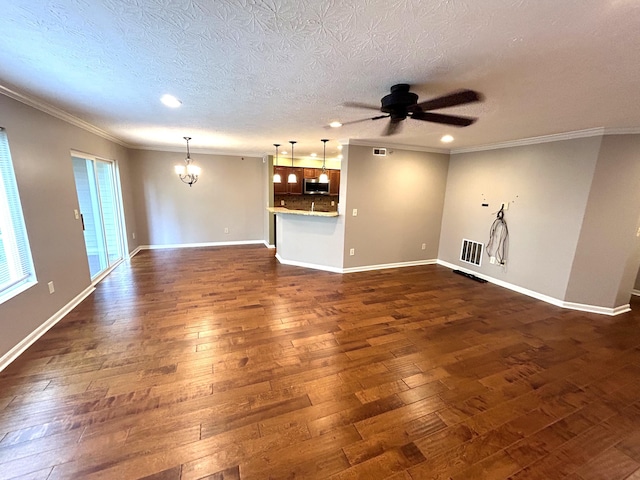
{"points": [[16, 266]]}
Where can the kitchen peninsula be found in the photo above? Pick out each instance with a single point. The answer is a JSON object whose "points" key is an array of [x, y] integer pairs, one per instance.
{"points": [[308, 213], [312, 239]]}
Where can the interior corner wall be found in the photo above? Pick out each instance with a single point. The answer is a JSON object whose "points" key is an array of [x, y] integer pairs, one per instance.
{"points": [[607, 257], [40, 146], [269, 235], [399, 199], [547, 186], [229, 194]]}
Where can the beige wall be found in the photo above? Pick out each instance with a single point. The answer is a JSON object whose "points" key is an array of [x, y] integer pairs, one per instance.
{"points": [[229, 194], [608, 255], [40, 148], [547, 186], [399, 199]]}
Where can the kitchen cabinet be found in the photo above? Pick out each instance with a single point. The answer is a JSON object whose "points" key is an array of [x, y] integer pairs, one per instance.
{"points": [[334, 182], [294, 188], [281, 188], [312, 172]]}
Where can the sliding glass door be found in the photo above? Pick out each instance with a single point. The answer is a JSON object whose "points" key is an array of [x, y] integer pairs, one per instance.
{"points": [[100, 211]]}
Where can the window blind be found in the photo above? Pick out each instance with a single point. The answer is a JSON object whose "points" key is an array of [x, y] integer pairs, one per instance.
{"points": [[16, 265]]}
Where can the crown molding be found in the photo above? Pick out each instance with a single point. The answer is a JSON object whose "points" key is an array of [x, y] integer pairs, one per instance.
{"points": [[398, 146], [201, 151], [61, 114], [622, 131], [556, 137]]}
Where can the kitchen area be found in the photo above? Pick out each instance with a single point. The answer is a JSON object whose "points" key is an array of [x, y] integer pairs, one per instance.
{"points": [[305, 202]]}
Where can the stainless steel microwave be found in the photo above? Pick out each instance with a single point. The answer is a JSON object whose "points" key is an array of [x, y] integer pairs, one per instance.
{"points": [[312, 186]]}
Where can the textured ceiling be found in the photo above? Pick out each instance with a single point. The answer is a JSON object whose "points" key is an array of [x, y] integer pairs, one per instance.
{"points": [[254, 72]]}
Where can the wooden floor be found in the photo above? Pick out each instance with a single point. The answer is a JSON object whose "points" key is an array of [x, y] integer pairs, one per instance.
{"points": [[220, 363]]}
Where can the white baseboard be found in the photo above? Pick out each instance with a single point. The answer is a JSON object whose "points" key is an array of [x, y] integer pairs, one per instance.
{"points": [[135, 252], [313, 266], [635, 292], [29, 340], [364, 268], [540, 296], [196, 245], [383, 266]]}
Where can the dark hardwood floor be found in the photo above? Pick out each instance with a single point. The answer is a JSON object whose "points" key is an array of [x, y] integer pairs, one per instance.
{"points": [[219, 363]]}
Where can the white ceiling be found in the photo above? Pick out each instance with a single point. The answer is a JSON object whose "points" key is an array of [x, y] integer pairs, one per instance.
{"points": [[254, 72]]}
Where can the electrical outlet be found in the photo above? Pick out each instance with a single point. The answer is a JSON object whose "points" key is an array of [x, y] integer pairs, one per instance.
{"points": [[492, 260], [424, 246], [76, 213], [352, 251], [282, 203], [133, 235], [51, 287], [333, 203], [355, 212], [505, 205], [226, 229]]}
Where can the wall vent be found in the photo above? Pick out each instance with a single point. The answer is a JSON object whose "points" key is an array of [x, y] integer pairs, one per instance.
{"points": [[380, 152], [471, 252]]}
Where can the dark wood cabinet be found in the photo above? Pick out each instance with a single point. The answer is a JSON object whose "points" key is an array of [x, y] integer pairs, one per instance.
{"points": [[334, 182], [294, 188], [312, 172], [286, 188], [281, 188]]}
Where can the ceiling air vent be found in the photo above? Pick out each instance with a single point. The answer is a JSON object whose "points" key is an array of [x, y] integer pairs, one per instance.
{"points": [[471, 252], [380, 152]]}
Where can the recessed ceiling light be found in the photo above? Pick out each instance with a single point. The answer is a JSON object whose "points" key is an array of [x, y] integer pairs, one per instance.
{"points": [[314, 154], [335, 124], [340, 147], [170, 101], [283, 152], [447, 139]]}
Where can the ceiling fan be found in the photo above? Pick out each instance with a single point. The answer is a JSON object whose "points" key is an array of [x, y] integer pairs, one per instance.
{"points": [[401, 103]]}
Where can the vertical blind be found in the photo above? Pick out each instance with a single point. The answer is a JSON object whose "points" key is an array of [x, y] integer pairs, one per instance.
{"points": [[16, 266]]}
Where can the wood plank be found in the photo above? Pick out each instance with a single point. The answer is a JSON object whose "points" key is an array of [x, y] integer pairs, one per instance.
{"points": [[221, 363]]}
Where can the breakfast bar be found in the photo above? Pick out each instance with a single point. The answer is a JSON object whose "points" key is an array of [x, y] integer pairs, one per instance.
{"points": [[311, 239]]}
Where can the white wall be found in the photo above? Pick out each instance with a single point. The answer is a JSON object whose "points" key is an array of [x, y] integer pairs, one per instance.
{"points": [[41, 151], [547, 186], [399, 199], [608, 254], [228, 194]]}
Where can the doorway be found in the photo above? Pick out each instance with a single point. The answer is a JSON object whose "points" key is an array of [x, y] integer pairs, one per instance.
{"points": [[97, 189]]}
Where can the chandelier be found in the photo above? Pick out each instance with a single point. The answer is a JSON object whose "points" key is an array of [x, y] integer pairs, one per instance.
{"points": [[188, 172]]}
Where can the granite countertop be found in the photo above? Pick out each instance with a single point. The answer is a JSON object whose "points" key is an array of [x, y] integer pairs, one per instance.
{"points": [[308, 213]]}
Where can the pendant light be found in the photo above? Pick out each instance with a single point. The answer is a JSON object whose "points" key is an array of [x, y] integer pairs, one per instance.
{"points": [[324, 178], [188, 172], [276, 176], [292, 176]]}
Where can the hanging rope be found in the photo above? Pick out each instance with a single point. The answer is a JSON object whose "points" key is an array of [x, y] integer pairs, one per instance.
{"points": [[498, 244]]}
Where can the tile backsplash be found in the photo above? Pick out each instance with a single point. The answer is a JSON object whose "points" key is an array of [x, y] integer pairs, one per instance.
{"points": [[322, 203]]}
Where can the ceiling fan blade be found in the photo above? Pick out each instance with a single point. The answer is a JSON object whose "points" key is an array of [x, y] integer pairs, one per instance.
{"points": [[360, 105], [460, 97], [392, 127], [361, 120], [454, 120]]}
